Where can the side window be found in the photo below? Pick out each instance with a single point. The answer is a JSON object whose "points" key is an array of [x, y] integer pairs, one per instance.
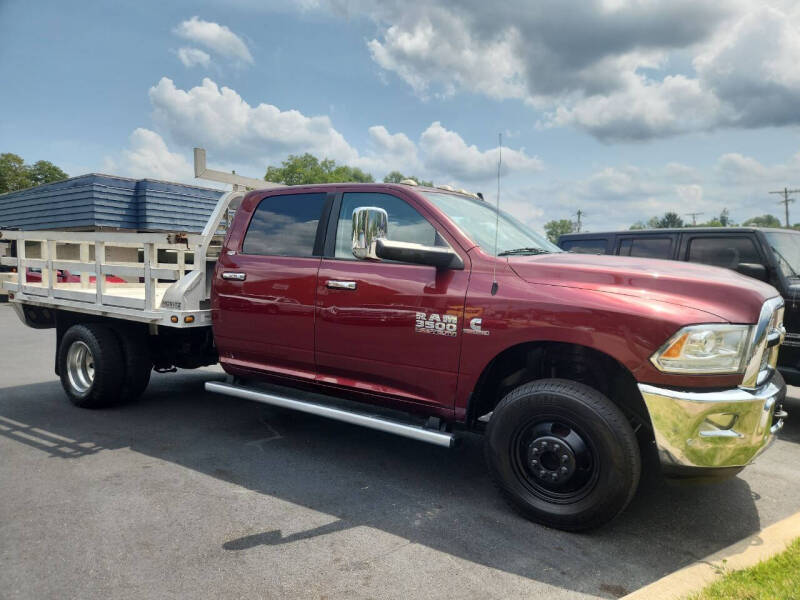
{"points": [[727, 252], [405, 223], [597, 246], [284, 225], [646, 247]]}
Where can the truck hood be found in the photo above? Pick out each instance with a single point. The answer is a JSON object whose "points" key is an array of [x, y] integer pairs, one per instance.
{"points": [[720, 292]]}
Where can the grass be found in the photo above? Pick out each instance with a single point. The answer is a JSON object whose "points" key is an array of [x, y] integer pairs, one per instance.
{"points": [[775, 579]]}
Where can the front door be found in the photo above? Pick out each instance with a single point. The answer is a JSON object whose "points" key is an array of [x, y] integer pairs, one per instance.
{"points": [[264, 290], [389, 328]]}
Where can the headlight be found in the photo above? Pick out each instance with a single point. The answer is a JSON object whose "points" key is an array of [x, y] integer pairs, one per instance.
{"points": [[700, 349]]}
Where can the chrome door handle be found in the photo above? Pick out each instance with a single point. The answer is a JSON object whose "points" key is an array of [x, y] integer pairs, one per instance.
{"points": [[235, 275], [341, 285]]}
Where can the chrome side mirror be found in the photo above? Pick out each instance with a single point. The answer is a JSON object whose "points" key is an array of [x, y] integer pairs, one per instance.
{"points": [[370, 224]]}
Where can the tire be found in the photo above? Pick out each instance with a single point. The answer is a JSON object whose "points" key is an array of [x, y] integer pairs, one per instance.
{"points": [[138, 366], [91, 365], [562, 454]]}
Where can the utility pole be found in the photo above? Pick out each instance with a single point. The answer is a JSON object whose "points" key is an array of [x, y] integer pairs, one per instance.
{"points": [[694, 217], [786, 199], [580, 214]]}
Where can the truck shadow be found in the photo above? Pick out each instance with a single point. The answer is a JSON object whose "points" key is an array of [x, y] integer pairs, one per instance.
{"points": [[438, 498]]}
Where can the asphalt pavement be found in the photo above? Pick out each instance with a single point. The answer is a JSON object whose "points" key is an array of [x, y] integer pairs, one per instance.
{"points": [[190, 494]]}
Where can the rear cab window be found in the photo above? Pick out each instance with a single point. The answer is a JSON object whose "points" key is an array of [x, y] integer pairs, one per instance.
{"points": [[285, 225], [646, 247], [585, 246]]}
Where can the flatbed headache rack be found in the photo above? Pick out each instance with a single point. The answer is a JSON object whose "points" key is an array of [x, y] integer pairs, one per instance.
{"points": [[169, 294]]}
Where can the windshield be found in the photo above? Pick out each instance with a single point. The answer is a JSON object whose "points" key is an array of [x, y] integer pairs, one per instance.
{"points": [[478, 220], [786, 247]]}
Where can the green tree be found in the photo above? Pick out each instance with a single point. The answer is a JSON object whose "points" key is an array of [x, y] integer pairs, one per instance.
{"points": [[763, 221], [397, 177], [13, 175], [638, 225], [669, 220], [43, 171], [305, 169], [16, 175], [554, 229]]}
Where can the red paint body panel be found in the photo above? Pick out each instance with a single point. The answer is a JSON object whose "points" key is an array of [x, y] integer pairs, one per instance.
{"points": [[283, 321], [366, 338]]}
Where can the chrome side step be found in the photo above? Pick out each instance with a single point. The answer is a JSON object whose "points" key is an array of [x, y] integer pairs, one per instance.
{"points": [[438, 438]]}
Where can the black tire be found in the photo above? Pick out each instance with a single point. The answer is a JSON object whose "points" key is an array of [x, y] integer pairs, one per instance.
{"points": [[138, 366], [103, 387], [562, 454]]}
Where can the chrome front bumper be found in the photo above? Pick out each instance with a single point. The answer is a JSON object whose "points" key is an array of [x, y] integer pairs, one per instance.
{"points": [[727, 428]]}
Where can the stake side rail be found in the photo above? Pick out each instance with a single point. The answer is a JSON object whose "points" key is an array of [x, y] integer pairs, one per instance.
{"points": [[120, 274]]}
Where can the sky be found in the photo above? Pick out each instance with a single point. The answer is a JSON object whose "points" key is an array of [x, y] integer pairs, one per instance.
{"points": [[623, 109]]}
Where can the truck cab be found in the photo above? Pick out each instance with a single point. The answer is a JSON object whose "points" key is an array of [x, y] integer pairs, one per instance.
{"points": [[767, 254]]}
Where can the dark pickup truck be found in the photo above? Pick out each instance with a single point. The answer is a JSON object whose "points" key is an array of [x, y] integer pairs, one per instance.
{"points": [[771, 255], [345, 300]]}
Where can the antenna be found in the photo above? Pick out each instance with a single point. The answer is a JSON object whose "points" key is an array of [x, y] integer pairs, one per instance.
{"points": [[497, 215]]}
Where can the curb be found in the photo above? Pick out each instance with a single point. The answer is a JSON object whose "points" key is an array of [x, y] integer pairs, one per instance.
{"points": [[745, 553]]}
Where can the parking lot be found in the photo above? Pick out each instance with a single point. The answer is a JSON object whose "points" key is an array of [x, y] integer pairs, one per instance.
{"points": [[185, 493]]}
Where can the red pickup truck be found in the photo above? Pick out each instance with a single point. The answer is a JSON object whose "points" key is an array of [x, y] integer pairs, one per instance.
{"points": [[399, 297]]}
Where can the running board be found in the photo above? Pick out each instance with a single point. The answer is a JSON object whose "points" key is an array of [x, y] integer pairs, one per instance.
{"points": [[421, 434]]}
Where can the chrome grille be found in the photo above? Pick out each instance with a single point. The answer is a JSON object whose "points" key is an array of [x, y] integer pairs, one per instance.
{"points": [[767, 337]]}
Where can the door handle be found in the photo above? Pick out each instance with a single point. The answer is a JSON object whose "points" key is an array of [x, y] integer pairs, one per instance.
{"points": [[235, 275], [341, 285]]}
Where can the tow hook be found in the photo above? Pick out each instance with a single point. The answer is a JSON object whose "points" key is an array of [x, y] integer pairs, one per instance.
{"points": [[777, 419]]}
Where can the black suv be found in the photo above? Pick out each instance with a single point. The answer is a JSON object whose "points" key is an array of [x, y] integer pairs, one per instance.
{"points": [[771, 255]]}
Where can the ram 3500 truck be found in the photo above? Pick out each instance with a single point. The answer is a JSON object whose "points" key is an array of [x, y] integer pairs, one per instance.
{"points": [[423, 312]]}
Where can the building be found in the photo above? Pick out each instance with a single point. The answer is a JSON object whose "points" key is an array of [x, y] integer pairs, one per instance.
{"points": [[97, 202]]}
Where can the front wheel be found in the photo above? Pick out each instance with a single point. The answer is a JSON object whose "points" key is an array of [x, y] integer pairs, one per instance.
{"points": [[91, 365], [563, 454]]}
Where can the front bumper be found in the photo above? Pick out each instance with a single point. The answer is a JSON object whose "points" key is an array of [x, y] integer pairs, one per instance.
{"points": [[713, 430]]}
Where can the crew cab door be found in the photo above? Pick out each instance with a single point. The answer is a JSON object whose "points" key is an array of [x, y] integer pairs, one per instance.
{"points": [[389, 328], [265, 285]]}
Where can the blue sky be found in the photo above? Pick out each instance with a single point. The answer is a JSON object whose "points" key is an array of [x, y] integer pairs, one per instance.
{"points": [[622, 108]]}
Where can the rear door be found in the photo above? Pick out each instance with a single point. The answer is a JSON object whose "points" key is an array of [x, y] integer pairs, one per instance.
{"points": [[389, 328], [265, 287]]}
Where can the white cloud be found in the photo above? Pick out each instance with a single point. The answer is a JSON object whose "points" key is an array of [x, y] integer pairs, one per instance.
{"points": [[216, 37], [221, 120], [191, 57], [148, 156], [618, 69], [447, 153]]}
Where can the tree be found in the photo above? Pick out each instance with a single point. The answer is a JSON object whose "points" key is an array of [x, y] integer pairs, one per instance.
{"points": [[638, 225], [763, 221], [397, 177], [13, 175], [16, 175], [305, 169], [43, 171], [669, 220], [554, 229]]}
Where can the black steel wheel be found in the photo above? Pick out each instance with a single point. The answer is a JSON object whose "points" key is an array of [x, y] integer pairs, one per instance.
{"points": [[562, 454]]}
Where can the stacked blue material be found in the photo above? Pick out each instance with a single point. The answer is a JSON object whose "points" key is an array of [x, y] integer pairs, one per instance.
{"points": [[94, 200]]}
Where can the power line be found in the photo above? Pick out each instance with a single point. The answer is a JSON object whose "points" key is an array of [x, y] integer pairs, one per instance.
{"points": [[694, 217], [786, 199]]}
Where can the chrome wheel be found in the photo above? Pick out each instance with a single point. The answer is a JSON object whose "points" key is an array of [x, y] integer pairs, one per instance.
{"points": [[80, 367]]}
